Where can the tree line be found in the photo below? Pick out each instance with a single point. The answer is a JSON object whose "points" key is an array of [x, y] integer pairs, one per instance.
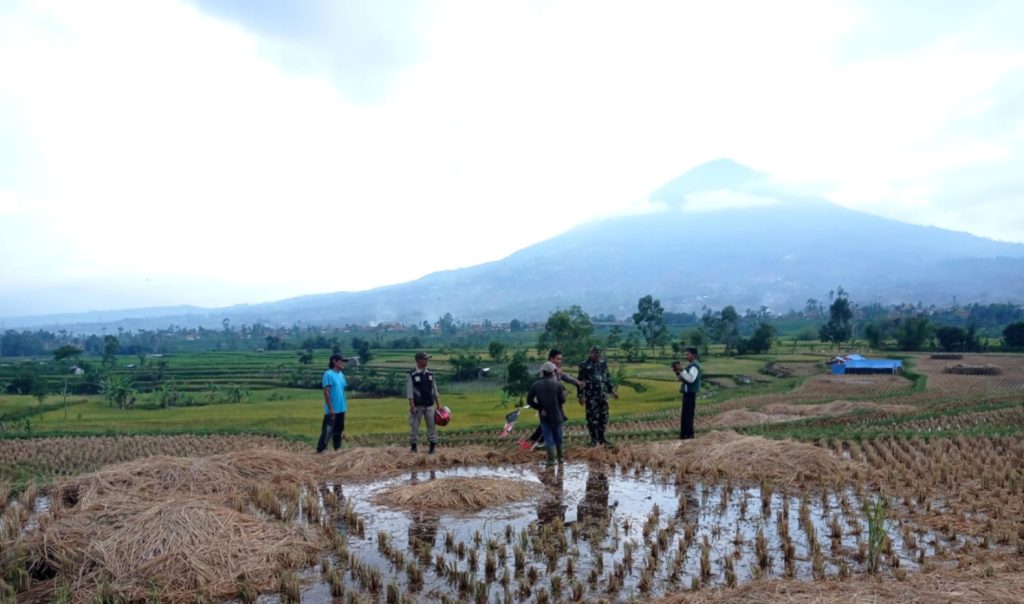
{"points": [[841, 320]]}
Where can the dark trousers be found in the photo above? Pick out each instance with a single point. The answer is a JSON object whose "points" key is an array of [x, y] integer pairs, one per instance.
{"points": [[686, 419], [331, 430], [552, 435]]}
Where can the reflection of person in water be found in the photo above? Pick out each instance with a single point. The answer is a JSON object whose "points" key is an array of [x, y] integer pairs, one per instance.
{"points": [[423, 523], [691, 511], [593, 509], [423, 529], [551, 507]]}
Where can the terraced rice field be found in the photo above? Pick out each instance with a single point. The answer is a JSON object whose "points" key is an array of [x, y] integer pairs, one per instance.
{"points": [[848, 488]]}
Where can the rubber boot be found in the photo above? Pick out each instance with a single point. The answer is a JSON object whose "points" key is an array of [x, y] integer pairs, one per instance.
{"points": [[559, 450], [431, 451], [551, 455], [412, 447]]}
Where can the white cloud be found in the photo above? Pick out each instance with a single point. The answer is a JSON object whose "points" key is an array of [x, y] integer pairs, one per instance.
{"points": [[173, 147], [713, 201], [11, 203]]}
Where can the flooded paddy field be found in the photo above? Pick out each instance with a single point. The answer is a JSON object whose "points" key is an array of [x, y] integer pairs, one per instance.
{"points": [[725, 514], [596, 532]]}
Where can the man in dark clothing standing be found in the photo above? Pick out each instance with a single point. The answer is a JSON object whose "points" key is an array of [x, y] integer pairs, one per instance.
{"points": [[690, 378], [597, 385], [555, 357], [421, 390], [547, 396]]}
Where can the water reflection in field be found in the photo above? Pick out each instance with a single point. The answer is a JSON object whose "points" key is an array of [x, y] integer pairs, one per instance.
{"points": [[614, 533]]}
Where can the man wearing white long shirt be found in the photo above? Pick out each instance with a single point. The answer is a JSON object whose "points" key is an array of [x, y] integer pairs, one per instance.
{"points": [[690, 378]]}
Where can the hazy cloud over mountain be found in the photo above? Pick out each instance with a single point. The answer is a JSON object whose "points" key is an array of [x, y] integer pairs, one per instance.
{"points": [[210, 152], [364, 45]]}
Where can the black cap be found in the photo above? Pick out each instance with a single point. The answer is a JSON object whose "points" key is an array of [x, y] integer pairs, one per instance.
{"points": [[422, 355]]}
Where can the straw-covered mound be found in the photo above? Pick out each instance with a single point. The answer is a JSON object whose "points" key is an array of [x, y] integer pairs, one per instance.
{"points": [[218, 476], [148, 479], [835, 408], [727, 453], [458, 493], [274, 466], [172, 549], [961, 369]]}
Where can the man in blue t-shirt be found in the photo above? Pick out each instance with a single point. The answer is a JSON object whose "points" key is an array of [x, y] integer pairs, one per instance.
{"points": [[335, 404]]}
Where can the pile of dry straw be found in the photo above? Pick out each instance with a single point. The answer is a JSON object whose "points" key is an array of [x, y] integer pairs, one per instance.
{"points": [[730, 454], [458, 493], [171, 528]]}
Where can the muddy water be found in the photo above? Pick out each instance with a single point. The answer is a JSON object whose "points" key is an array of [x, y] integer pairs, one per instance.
{"points": [[595, 516]]}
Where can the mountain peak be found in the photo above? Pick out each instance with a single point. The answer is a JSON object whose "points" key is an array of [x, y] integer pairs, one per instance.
{"points": [[711, 176]]}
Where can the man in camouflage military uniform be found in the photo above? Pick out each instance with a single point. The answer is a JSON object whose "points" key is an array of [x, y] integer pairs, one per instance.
{"points": [[597, 385]]}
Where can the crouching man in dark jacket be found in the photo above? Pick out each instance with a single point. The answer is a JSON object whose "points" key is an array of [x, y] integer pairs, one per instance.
{"points": [[547, 396]]}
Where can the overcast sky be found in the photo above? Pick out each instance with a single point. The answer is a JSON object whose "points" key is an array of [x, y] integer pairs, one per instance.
{"points": [[215, 152]]}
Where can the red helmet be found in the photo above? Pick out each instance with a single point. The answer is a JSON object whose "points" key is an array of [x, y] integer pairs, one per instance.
{"points": [[442, 415]]}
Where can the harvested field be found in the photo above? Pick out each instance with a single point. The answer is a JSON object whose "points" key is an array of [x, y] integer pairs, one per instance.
{"points": [[742, 417], [961, 369], [52, 457], [1013, 416], [835, 408], [843, 386], [1011, 378], [729, 516], [794, 369], [998, 582], [782, 412], [634, 503], [458, 493]]}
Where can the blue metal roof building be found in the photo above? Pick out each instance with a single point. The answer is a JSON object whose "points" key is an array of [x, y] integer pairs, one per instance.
{"points": [[855, 363]]}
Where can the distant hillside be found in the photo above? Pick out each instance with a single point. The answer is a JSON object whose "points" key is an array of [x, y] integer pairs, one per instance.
{"points": [[760, 247]]}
